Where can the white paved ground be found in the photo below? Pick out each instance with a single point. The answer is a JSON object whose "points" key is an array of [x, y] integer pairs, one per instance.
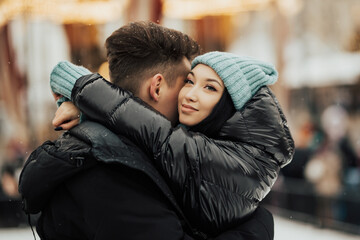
{"points": [[16, 234], [285, 229]]}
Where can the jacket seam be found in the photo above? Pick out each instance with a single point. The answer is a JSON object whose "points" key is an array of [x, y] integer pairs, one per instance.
{"points": [[251, 140], [223, 188], [113, 111], [81, 88]]}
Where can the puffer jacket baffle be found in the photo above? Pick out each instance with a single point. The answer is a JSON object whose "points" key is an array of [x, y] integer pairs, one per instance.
{"points": [[217, 182]]}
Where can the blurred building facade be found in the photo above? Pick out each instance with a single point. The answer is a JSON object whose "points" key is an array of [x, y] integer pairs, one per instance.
{"points": [[314, 45]]}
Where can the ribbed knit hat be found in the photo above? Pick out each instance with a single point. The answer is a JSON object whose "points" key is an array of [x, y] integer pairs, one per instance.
{"points": [[242, 75], [64, 76]]}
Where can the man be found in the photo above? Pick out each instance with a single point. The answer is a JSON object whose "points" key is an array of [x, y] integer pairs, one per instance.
{"points": [[92, 184]]}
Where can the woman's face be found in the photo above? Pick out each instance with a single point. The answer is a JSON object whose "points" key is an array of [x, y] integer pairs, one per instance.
{"points": [[202, 91]]}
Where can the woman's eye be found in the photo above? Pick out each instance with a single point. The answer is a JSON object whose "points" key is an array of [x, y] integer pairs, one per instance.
{"points": [[211, 88], [188, 81]]}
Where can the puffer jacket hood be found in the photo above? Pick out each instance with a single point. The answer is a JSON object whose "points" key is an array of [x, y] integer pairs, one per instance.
{"points": [[263, 125], [217, 182]]}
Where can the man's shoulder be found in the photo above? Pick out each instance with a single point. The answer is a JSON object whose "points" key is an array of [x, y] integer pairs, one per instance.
{"points": [[106, 146], [93, 133], [110, 151]]}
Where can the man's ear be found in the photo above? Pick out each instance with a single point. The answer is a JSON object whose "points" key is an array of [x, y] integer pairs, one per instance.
{"points": [[155, 86]]}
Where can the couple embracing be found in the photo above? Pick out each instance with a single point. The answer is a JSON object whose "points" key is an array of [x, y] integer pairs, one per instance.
{"points": [[177, 146]]}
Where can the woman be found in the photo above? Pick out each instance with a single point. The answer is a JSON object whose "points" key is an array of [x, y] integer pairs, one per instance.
{"points": [[233, 139]]}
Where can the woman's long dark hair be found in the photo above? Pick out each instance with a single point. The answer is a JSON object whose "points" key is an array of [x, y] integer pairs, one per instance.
{"points": [[222, 111]]}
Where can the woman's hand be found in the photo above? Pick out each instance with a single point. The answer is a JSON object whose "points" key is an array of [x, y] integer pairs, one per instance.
{"points": [[66, 117]]}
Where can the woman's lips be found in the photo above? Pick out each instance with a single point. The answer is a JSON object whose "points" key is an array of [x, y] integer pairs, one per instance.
{"points": [[188, 108]]}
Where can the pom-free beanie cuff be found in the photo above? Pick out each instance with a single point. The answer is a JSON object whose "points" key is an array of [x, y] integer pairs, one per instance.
{"points": [[64, 76], [242, 75]]}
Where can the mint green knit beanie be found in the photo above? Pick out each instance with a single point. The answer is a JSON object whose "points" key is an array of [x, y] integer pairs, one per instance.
{"points": [[242, 75], [63, 77]]}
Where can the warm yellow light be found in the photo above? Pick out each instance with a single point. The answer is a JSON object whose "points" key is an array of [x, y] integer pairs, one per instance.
{"points": [[78, 11], [193, 9], [9, 9], [290, 7], [64, 11]]}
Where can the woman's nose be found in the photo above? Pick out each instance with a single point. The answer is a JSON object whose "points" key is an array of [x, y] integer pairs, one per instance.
{"points": [[191, 95]]}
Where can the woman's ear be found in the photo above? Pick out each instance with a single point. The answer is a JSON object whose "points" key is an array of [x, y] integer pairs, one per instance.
{"points": [[155, 86]]}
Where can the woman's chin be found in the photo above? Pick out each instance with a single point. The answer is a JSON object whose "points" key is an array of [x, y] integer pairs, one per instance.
{"points": [[186, 122]]}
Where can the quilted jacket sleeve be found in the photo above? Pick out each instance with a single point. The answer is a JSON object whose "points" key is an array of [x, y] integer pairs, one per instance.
{"points": [[218, 182], [46, 168]]}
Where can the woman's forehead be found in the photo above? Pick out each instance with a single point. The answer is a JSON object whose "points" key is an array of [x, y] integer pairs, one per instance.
{"points": [[206, 73]]}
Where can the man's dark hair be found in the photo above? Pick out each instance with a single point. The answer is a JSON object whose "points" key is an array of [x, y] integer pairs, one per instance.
{"points": [[140, 50]]}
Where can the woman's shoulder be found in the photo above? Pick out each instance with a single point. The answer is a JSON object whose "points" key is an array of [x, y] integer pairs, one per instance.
{"points": [[256, 113], [261, 123]]}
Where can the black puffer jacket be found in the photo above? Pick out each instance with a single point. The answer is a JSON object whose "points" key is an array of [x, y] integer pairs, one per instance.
{"points": [[90, 184], [217, 182]]}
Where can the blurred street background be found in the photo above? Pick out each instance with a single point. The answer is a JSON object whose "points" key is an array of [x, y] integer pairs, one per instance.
{"points": [[315, 45]]}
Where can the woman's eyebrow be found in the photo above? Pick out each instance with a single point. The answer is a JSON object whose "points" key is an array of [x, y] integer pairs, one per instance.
{"points": [[214, 80], [208, 79]]}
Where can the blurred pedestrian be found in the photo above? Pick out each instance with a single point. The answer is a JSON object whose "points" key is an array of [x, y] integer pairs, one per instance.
{"points": [[331, 162], [10, 200]]}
